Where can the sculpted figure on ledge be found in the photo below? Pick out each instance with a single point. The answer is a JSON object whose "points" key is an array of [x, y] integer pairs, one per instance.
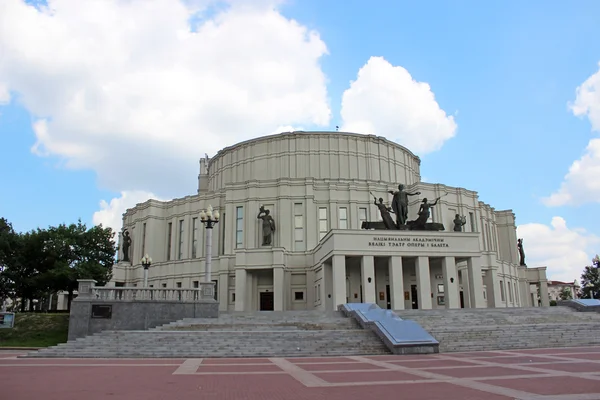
{"points": [[385, 214], [268, 226], [126, 244], [400, 205], [521, 253], [459, 222]]}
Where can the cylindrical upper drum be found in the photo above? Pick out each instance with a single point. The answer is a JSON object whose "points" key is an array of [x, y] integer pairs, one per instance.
{"points": [[314, 155]]}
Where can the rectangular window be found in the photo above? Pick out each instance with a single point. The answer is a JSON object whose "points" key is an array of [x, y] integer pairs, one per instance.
{"points": [[298, 228], [362, 216], [196, 284], [216, 289], [323, 229], [180, 246], [343, 218], [239, 227], [502, 297], [494, 241], [169, 240], [298, 296], [144, 239], [194, 237], [472, 221], [164, 285], [222, 226], [510, 291], [178, 285]]}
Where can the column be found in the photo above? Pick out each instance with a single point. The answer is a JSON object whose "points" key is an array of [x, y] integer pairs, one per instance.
{"points": [[367, 276], [338, 266], [278, 289], [450, 274], [223, 292], [240, 289], [492, 282], [475, 282], [545, 300], [423, 283], [396, 282]]}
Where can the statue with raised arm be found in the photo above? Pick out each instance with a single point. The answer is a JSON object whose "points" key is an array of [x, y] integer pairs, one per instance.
{"points": [[268, 226], [125, 245], [459, 222], [400, 205], [521, 252], [384, 210], [424, 213]]}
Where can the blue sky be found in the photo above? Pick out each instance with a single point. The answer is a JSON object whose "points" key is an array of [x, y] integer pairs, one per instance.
{"points": [[506, 71]]}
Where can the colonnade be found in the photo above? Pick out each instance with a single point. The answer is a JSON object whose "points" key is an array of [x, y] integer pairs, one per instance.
{"points": [[335, 291]]}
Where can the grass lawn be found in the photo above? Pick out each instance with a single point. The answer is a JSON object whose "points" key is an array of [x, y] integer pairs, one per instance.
{"points": [[36, 330]]}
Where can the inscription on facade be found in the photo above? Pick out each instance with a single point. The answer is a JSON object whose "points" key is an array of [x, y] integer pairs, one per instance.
{"points": [[407, 241]]}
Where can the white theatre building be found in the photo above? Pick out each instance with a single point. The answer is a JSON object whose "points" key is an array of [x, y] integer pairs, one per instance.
{"points": [[319, 188]]}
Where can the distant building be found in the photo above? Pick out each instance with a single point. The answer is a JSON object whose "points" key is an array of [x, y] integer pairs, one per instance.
{"points": [[555, 288]]}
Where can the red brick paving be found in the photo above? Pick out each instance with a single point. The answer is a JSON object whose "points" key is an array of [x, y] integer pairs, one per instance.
{"points": [[433, 363], [480, 372], [448, 376], [551, 386], [371, 376], [338, 367], [570, 367]]}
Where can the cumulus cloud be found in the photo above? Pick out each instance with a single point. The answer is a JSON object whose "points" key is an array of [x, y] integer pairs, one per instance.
{"points": [[4, 94], [581, 184], [385, 100], [139, 90], [565, 251], [111, 213], [587, 100]]}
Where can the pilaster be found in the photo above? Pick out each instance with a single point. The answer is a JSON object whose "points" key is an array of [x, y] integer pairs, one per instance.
{"points": [[423, 283], [367, 273], [450, 274], [396, 282], [338, 264], [475, 282], [278, 289], [240, 289]]}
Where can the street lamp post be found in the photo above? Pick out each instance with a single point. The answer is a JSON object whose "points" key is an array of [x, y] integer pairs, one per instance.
{"points": [[146, 262], [209, 218]]}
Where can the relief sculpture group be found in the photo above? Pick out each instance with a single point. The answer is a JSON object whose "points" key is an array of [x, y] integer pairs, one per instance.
{"points": [[399, 207]]}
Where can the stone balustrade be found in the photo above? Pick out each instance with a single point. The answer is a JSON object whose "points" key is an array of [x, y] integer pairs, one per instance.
{"points": [[88, 291]]}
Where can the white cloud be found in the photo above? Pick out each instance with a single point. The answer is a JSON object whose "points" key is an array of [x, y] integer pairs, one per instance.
{"points": [[563, 250], [130, 90], [4, 94], [587, 101], [581, 184], [111, 214], [385, 100]]}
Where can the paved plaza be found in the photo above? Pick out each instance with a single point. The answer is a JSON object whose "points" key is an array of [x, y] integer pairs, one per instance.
{"points": [[564, 373]]}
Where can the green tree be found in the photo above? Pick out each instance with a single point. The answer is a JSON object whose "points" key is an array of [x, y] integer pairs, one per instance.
{"points": [[25, 266], [590, 283], [565, 294], [77, 252]]}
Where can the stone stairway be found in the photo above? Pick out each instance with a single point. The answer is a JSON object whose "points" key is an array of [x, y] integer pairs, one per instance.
{"points": [[260, 334], [507, 328]]}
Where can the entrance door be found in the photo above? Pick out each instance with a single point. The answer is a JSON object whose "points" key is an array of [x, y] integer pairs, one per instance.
{"points": [[413, 296], [388, 297], [462, 299], [266, 301]]}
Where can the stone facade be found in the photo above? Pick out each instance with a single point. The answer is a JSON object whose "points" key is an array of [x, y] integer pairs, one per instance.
{"points": [[319, 188]]}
